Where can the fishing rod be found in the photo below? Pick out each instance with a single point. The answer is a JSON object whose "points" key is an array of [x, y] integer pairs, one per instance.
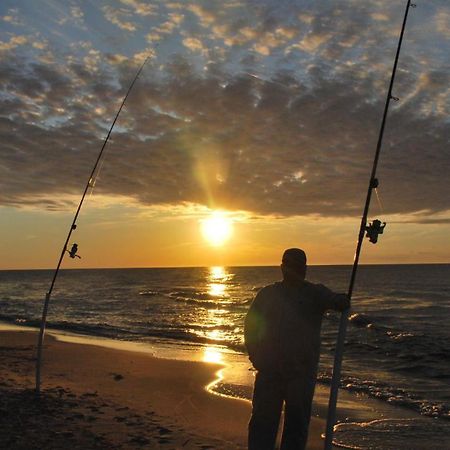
{"points": [[74, 249], [372, 231]]}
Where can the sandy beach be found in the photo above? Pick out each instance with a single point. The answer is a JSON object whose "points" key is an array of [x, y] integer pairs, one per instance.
{"points": [[97, 397]]}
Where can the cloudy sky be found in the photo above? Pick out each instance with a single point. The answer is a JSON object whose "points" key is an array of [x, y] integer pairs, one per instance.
{"points": [[267, 110]]}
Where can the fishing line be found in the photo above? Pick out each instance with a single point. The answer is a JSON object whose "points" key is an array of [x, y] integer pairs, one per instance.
{"points": [[93, 181], [265, 80], [74, 249], [379, 200], [373, 230]]}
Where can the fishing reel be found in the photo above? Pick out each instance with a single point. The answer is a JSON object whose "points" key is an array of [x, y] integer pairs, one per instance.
{"points": [[73, 252], [374, 229]]}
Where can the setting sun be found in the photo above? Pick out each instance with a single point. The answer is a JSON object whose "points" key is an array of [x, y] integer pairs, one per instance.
{"points": [[217, 228]]}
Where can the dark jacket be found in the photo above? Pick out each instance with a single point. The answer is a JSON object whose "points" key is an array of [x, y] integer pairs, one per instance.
{"points": [[282, 327]]}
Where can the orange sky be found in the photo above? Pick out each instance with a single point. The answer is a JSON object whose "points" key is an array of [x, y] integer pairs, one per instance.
{"points": [[116, 236]]}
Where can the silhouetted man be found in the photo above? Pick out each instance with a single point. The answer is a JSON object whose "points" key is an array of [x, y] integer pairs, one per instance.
{"points": [[282, 336]]}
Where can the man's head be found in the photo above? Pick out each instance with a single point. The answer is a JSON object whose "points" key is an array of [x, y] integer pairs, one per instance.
{"points": [[293, 264]]}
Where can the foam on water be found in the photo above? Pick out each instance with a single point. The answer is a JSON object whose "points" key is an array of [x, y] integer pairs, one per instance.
{"points": [[393, 434]]}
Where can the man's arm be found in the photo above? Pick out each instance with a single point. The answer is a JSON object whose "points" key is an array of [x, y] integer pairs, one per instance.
{"points": [[341, 302], [254, 326], [333, 300]]}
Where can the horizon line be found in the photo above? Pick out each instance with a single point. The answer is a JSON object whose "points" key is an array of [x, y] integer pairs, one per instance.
{"points": [[219, 265]]}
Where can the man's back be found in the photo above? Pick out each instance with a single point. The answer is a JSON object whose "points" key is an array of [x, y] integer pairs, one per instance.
{"points": [[282, 328]]}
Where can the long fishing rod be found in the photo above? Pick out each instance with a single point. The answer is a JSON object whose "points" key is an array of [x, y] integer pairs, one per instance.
{"points": [[73, 251], [372, 231]]}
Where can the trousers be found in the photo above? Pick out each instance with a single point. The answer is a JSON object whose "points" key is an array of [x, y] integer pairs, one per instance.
{"points": [[270, 392]]}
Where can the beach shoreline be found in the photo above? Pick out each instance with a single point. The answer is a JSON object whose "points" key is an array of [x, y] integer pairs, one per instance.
{"points": [[141, 395], [117, 398]]}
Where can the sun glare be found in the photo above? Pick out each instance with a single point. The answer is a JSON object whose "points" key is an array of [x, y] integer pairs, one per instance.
{"points": [[217, 228], [211, 354]]}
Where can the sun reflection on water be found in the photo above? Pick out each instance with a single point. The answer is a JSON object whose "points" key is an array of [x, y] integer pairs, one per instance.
{"points": [[216, 335], [212, 354], [217, 278], [216, 320], [216, 289], [217, 273]]}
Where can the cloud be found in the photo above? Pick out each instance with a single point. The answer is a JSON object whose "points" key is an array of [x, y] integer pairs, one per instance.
{"points": [[118, 16], [140, 8], [311, 42], [276, 116], [248, 145], [40, 45], [12, 17], [442, 20], [193, 44], [265, 42], [166, 28], [91, 60], [379, 16], [424, 220], [117, 58], [176, 18], [206, 17], [14, 41], [76, 12]]}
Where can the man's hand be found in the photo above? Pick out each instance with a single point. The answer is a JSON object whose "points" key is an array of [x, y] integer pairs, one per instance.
{"points": [[341, 302]]}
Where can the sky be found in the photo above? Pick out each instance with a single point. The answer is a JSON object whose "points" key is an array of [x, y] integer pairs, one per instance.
{"points": [[267, 111]]}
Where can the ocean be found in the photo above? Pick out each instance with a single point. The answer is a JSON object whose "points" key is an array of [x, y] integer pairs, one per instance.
{"points": [[397, 354]]}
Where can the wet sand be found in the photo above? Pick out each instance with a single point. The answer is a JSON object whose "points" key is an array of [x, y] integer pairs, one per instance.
{"points": [[106, 398]]}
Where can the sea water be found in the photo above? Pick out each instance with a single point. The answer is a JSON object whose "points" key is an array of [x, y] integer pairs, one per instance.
{"points": [[397, 347]]}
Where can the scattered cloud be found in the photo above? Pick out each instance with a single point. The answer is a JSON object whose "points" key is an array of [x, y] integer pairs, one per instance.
{"points": [[193, 44], [140, 8], [166, 28], [442, 20], [12, 17], [76, 12], [91, 60], [311, 42], [40, 45], [119, 17], [248, 146], [14, 41], [274, 112], [306, 18], [206, 17], [379, 16]]}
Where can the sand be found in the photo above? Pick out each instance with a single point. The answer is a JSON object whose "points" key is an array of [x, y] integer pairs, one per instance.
{"points": [[95, 397]]}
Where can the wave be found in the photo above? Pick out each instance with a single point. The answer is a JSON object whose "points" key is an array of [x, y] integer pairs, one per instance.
{"points": [[393, 395], [148, 293], [139, 331], [98, 329], [149, 325], [412, 294], [185, 336], [361, 320], [233, 390], [195, 295], [392, 434], [397, 350], [257, 288]]}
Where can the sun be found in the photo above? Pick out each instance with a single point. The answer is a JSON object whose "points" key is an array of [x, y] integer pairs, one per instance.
{"points": [[217, 228]]}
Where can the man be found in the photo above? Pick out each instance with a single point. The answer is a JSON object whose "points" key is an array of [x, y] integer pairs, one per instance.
{"points": [[282, 336]]}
